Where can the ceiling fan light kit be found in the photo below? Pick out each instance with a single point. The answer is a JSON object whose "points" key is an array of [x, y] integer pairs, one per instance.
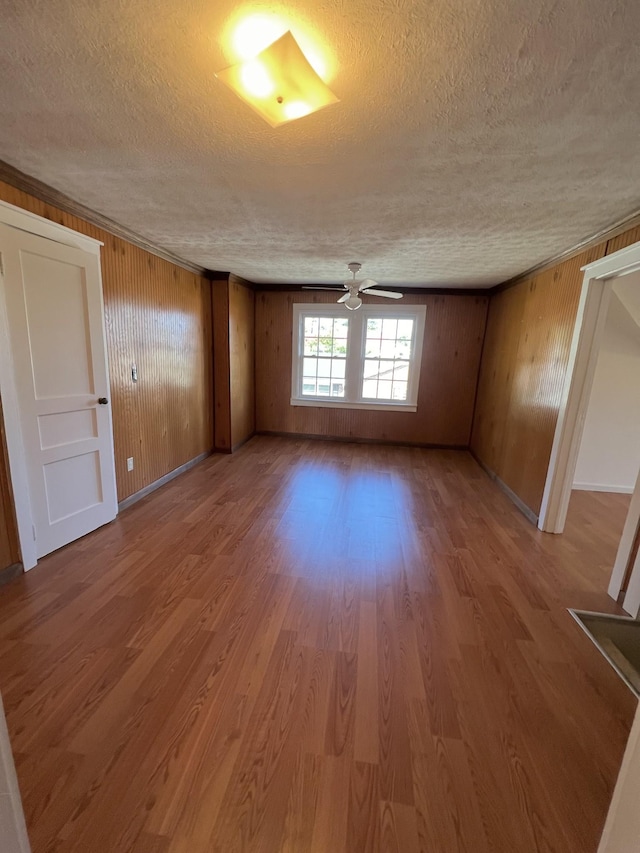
{"points": [[352, 302], [354, 287]]}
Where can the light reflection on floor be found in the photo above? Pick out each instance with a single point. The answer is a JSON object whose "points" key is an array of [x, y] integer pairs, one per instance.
{"points": [[335, 520]]}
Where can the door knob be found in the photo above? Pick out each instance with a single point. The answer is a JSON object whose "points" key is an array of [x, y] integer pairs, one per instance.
{"points": [[103, 401]]}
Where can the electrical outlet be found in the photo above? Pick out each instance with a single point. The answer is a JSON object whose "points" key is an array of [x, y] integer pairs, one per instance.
{"points": [[130, 463]]}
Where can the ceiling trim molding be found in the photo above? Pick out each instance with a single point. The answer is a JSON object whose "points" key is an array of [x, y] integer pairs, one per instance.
{"points": [[21, 181], [243, 282], [406, 290], [619, 227]]}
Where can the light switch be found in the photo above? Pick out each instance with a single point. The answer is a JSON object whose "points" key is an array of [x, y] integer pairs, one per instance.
{"points": [[130, 463], [134, 373]]}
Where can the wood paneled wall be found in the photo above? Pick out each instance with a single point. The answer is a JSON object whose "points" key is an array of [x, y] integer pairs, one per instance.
{"points": [[234, 362], [221, 365], [241, 360], [453, 338], [9, 550], [524, 363], [158, 316]]}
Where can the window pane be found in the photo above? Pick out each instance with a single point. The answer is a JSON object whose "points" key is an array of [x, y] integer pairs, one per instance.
{"points": [[372, 348], [324, 367], [337, 389], [399, 391], [388, 349], [403, 349], [405, 330], [310, 346], [371, 369], [401, 371], [386, 370], [340, 328], [389, 329], [309, 367], [370, 388], [310, 327], [340, 346], [384, 389], [337, 368], [326, 327], [374, 327], [325, 346]]}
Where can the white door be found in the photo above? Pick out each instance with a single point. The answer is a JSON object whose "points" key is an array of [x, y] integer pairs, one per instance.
{"points": [[53, 297]]}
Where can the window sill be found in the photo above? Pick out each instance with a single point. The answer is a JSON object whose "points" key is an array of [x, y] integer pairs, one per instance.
{"points": [[370, 406]]}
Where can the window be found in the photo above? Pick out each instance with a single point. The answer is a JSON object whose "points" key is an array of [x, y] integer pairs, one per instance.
{"points": [[366, 359], [324, 356]]}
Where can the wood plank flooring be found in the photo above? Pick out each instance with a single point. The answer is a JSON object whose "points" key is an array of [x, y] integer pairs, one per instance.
{"points": [[314, 646]]}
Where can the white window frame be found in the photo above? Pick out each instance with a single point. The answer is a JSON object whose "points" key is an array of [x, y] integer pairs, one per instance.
{"points": [[355, 355]]}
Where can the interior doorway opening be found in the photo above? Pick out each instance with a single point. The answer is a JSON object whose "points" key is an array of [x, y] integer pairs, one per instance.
{"points": [[608, 457], [597, 443]]}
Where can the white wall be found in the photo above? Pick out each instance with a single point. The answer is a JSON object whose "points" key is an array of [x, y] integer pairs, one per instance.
{"points": [[622, 829], [609, 455], [13, 832]]}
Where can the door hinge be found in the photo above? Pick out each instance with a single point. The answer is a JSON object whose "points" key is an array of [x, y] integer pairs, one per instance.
{"points": [[1, 264], [33, 528]]}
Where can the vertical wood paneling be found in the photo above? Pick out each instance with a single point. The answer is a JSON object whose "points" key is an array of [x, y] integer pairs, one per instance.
{"points": [[451, 354], [9, 550], [241, 360], [157, 316], [221, 365], [628, 238], [524, 363]]}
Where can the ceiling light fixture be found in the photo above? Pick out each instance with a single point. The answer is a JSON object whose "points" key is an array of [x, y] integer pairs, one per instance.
{"points": [[279, 83], [353, 302]]}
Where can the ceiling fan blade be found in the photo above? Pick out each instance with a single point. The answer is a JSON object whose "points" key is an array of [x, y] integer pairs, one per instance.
{"points": [[366, 282], [313, 287], [390, 294], [344, 298]]}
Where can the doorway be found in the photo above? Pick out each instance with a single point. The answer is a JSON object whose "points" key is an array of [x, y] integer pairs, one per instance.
{"points": [[597, 288], [611, 280], [54, 383], [609, 453]]}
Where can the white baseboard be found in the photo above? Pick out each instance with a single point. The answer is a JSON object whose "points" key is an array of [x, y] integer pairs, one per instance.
{"points": [[599, 487]]}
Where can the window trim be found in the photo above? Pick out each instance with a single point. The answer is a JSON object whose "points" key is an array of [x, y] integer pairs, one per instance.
{"points": [[356, 339]]}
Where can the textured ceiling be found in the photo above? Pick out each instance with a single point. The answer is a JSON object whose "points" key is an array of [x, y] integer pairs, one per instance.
{"points": [[473, 139]]}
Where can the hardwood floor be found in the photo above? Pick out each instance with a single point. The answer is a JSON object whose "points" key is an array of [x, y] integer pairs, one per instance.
{"points": [[313, 646]]}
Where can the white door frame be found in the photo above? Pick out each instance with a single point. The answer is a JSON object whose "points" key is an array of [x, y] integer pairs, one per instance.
{"points": [[624, 557], [16, 217], [622, 828], [588, 332]]}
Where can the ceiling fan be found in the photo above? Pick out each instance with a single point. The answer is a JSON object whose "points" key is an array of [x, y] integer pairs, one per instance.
{"points": [[355, 286]]}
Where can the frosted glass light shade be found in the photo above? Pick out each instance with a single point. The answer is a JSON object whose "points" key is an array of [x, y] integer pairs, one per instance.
{"points": [[353, 302], [279, 83]]}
